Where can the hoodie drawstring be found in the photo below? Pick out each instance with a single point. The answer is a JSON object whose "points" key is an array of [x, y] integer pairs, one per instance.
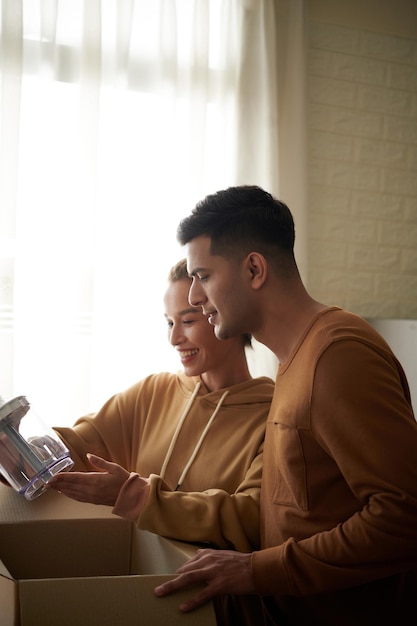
{"points": [[199, 442]]}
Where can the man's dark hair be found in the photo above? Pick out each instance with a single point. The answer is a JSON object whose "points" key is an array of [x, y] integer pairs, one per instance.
{"points": [[240, 220]]}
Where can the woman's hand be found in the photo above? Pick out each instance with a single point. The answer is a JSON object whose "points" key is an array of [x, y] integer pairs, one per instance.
{"points": [[101, 487]]}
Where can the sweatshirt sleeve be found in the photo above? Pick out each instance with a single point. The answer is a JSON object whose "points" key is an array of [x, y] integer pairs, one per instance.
{"points": [[132, 497], [366, 425], [107, 433], [228, 521]]}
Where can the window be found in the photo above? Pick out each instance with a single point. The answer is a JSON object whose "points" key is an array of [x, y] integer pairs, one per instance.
{"points": [[116, 118]]}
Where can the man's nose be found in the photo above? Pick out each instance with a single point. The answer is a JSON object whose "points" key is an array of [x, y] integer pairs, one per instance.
{"points": [[196, 296]]}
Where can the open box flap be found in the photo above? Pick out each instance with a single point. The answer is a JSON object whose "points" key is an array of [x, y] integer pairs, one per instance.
{"points": [[8, 601], [65, 548], [50, 505], [4, 572], [107, 601], [153, 554], [9, 608]]}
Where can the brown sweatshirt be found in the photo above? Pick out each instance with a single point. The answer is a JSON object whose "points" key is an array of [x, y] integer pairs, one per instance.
{"points": [[339, 490]]}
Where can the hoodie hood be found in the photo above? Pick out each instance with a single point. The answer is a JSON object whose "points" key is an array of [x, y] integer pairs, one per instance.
{"points": [[255, 390]]}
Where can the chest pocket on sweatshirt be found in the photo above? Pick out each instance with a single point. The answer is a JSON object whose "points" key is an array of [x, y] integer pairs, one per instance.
{"points": [[290, 485]]}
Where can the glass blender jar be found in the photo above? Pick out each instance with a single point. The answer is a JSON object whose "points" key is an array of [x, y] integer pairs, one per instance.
{"points": [[30, 452]]}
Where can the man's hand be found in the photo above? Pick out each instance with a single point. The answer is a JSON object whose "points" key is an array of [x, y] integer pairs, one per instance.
{"points": [[96, 487], [223, 572]]}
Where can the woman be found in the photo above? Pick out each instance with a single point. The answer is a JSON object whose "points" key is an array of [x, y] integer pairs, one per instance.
{"points": [[183, 451]]}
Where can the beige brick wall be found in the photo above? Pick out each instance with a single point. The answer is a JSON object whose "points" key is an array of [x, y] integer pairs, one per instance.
{"points": [[362, 169]]}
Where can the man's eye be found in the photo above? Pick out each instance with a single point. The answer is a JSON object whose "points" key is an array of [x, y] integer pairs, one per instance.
{"points": [[202, 277]]}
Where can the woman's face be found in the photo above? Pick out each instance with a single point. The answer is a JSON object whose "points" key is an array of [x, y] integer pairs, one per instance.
{"points": [[191, 334]]}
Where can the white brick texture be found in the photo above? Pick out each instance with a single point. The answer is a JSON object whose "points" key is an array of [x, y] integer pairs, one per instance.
{"points": [[362, 165]]}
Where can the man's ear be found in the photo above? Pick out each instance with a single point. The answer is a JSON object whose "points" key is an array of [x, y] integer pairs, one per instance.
{"points": [[258, 269]]}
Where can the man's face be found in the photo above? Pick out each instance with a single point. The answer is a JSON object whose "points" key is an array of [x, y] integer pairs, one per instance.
{"points": [[221, 286]]}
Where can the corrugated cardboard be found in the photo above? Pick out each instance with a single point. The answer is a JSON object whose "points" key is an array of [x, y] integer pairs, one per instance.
{"points": [[65, 563]]}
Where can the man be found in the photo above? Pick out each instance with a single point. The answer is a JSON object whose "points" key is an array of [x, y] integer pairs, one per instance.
{"points": [[339, 486]]}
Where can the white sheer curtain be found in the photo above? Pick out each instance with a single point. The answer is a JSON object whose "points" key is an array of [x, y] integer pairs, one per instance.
{"points": [[116, 116]]}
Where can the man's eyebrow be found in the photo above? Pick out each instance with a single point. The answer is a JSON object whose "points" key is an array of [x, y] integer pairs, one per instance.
{"points": [[196, 271]]}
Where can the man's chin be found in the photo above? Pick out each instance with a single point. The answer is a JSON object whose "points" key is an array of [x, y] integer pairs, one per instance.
{"points": [[221, 333]]}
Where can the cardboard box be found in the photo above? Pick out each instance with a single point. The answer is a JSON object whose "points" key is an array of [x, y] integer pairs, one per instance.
{"points": [[64, 563]]}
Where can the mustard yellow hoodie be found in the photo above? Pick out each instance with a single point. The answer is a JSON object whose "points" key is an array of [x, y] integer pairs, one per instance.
{"points": [[202, 451]]}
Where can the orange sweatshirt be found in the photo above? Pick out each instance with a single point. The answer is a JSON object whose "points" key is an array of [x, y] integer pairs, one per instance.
{"points": [[218, 498], [339, 490]]}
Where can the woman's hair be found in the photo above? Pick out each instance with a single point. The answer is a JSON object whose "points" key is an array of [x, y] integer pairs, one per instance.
{"points": [[179, 272]]}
